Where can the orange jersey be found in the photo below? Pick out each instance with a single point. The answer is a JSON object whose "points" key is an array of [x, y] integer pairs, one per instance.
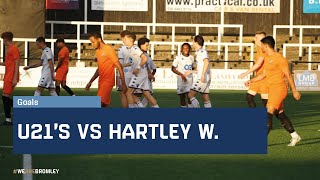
{"points": [[64, 54], [258, 55], [11, 55], [274, 64], [107, 57]]}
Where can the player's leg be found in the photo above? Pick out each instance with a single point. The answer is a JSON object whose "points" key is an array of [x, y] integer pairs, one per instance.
{"points": [[192, 96], [67, 88], [51, 88], [137, 94], [152, 101], [195, 88], [275, 101], [64, 84], [59, 78], [58, 87], [271, 111], [264, 90], [133, 85], [186, 90], [205, 94], [250, 98], [183, 103], [104, 91], [182, 94], [52, 92], [44, 82], [189, 102], [130, 98], [7, 102], [144, 100], [251, 93], [38, 91], [286, 123], [264, 101], [206, 100], [182, 91], [145, 87], [123, 97]]}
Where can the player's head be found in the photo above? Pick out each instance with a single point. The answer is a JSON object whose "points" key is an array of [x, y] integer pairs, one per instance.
{"points": [[60, 42], [258, 36], [127, 37], [7, 37], [185, 49], [143, 44], [41, 42], [267, 43], [96, 40], [198, 41]]}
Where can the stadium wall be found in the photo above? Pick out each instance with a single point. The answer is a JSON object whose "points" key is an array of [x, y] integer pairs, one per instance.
{"points": [[251, 22], [26, 19]]}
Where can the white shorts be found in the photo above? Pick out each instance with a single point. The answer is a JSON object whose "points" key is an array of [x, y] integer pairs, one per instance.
{"points": [[184, 87], [119, 84], [150, 87], [46, 82], [140, 82], [201, 87], [139, 91]]}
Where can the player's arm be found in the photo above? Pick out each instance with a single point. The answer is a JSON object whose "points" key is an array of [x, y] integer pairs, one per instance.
{"points": [[120, 70], [153, 67], [126, 65], [144, 60], [16, 72], [94, 77], [256, 66], [174, 70], [60, 60], [204, 70], [32, 66], [285, 69], [154, 71], [257, 78]]}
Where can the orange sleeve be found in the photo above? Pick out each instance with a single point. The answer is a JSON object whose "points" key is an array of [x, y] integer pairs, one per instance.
{"points": [[283, 63], [112, 55], [260, 54], [15, 53]]}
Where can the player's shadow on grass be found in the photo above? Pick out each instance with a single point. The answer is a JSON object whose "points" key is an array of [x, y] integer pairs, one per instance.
{"points": [[309, 123], [303, 142]]}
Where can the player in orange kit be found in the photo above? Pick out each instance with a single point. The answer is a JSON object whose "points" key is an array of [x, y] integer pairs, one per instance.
{"points": [[107, 61], [258, 86], [62, 67], [11, 75], [276, 71]]}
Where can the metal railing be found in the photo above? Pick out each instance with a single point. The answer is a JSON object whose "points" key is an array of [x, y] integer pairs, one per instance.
{"points": [[300, 27], [176, 51], [149, 25], [310, 46]]}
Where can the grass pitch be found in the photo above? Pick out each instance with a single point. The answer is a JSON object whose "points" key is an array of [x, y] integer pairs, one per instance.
{"points": [[281, 162]]}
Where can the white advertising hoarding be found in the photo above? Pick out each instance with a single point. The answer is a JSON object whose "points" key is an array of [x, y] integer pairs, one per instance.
{"points": [[119, 5], [78, 77], [241, 6]]}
